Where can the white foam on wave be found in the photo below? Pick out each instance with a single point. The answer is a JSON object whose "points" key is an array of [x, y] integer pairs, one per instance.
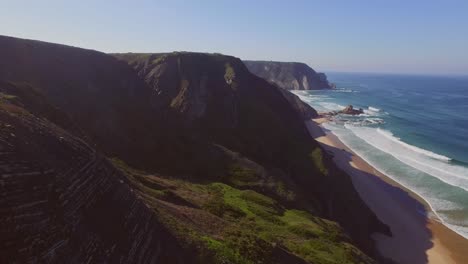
{"points": [[437, 205], [374, 111], [331, 106], [445, 205], [343, 90], [366, 121], [428, 162], [310, 97], [440, 207], [428, 153], [317, 101], [374, 120]]}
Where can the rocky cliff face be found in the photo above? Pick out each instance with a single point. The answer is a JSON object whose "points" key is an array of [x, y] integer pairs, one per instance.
{"points": [[162, 70], [101, 94], [246, 114], [63, 201], [289, 75], [163, 158]]}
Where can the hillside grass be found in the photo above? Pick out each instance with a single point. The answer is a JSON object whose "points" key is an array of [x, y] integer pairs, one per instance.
{"points": [[254, 225]]}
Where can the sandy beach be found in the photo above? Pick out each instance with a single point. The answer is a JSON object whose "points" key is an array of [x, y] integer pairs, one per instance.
{"points": [[418, 237]]}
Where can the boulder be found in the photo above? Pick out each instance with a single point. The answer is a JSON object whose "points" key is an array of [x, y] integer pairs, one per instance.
{"points": [[349, 110]]}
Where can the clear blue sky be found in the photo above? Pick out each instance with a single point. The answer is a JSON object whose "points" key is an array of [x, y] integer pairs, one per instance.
{"points": [[409, 36]]}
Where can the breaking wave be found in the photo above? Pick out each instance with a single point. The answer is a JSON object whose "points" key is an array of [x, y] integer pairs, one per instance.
{"points": [[428, 153], [444, 204], [440, 179], [373, 109], [423, 160]]}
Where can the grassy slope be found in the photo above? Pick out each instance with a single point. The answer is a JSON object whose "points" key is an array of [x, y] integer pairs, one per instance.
{"points": [[269, 133], [229, 223]]}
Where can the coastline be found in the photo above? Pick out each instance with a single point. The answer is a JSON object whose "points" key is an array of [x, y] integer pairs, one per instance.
{"points": [[418, 236]]}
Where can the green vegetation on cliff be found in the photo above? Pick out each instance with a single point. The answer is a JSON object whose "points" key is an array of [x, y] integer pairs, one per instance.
{"points": [[251, 227]]}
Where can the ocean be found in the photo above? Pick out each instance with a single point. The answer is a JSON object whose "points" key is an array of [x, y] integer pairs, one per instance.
{"points": [[414, 130]]}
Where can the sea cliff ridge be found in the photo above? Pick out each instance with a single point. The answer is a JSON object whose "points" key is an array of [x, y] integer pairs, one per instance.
{"points": [[289, 75], [144, 158]]}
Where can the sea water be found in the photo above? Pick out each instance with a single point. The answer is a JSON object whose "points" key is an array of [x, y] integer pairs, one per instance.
{"points": [[414, 129]]}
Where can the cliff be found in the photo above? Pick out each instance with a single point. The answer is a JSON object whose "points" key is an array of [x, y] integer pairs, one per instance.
{"points": [[102, 95], [289, 75], [168, 158], [61, 200], [248, 115]]}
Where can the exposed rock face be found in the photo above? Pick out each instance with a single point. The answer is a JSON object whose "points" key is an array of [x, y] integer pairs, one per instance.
{"points": [[61, 201], [349, 110], [182, 82], [100, 93], [262, 120], [191, 94], [197, 127], [289, 75]]}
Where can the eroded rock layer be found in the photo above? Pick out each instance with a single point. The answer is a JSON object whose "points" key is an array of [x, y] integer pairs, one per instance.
{"points": [[62, 201]]}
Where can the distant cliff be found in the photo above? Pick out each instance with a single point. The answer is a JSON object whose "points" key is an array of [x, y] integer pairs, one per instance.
{"points": [[289, 75]]}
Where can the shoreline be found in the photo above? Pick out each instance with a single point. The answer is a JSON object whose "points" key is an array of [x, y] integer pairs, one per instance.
{"points": [[417, 236]]}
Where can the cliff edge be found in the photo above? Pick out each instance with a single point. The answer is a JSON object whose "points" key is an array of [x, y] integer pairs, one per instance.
{"points": [[289, 75]]}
